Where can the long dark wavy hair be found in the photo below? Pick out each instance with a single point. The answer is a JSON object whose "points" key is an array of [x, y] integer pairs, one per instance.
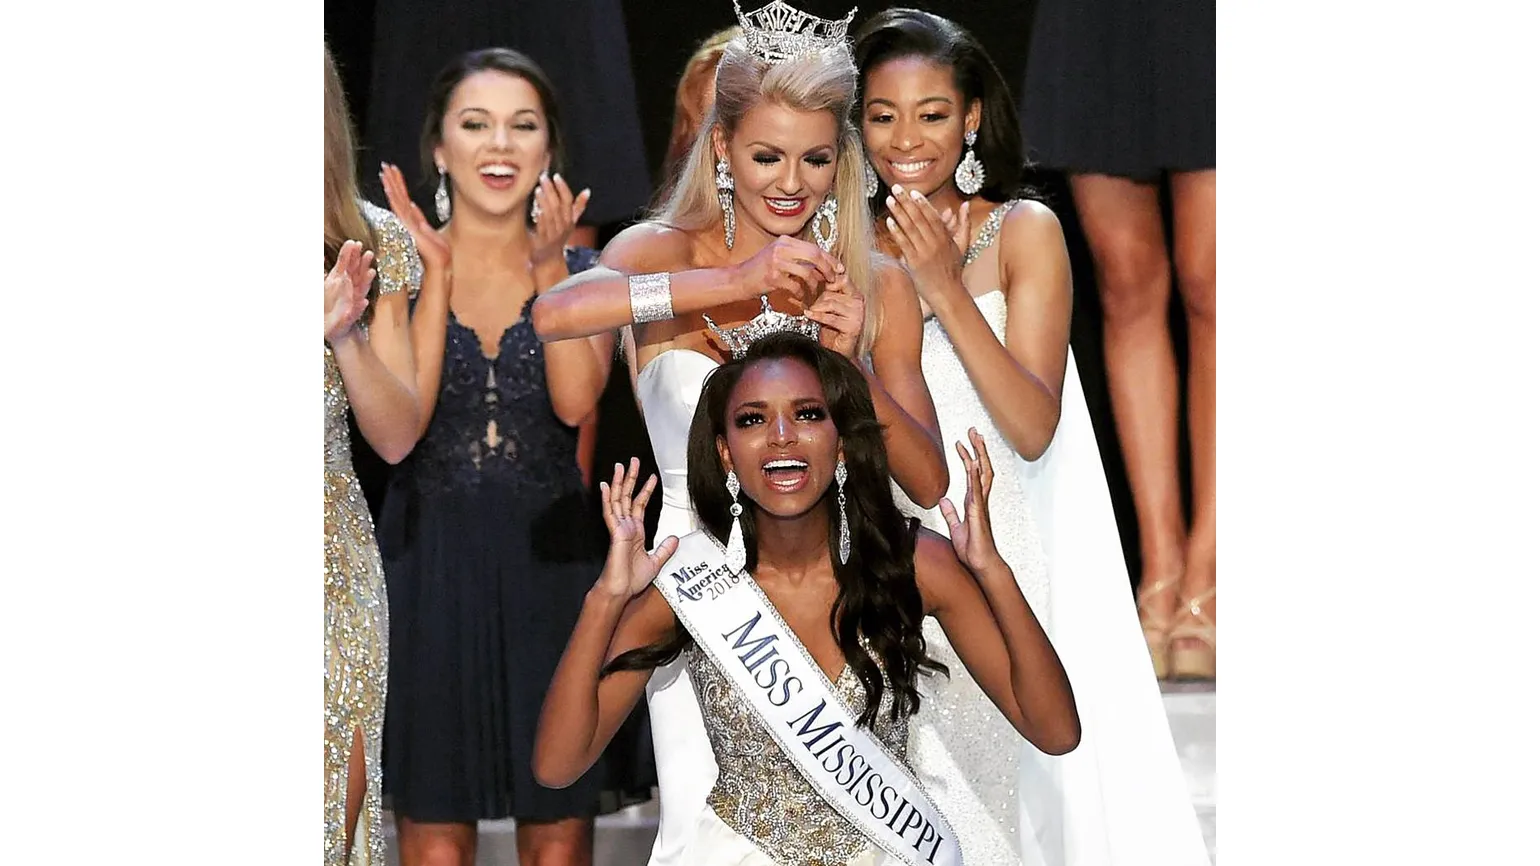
{"points": [[878, 597], [898, 33]]}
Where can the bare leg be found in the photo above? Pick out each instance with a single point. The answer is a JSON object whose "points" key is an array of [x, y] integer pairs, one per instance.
{"points": [[1192, 201], [1123, 226], [569, 842], [435, 844], [358, 784]]}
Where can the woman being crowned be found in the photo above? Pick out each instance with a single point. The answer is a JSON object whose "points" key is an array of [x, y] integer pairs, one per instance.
{"points": [[766, 226], [797, 608]]}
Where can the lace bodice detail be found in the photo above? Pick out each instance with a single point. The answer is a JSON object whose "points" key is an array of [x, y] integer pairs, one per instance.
{"points": [[493, 423], [760, 793]]}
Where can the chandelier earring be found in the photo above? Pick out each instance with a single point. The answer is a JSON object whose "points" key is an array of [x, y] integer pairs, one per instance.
{"points": [[970, 172], [828, 213], [737, 555], [873, 182], [725, 199], [441, 196], [840, 475]]}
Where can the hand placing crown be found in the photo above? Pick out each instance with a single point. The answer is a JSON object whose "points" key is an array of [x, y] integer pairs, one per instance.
{"points": [[780, 33]]}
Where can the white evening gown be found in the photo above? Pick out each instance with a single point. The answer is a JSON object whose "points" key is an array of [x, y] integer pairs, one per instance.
{"points": [[668, 388], [1120, 798]]}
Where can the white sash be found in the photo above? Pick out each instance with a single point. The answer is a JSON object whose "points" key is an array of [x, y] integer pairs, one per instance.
{"points": [[740, 630]]}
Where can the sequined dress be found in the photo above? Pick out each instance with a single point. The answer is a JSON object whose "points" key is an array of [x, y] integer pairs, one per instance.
{"points": [[490, 545], [355, 605], [1118, 799], [761, 811]]}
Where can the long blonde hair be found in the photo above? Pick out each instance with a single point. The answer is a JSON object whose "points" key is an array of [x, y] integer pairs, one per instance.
{"points": [[822, 82], [344, 220]]}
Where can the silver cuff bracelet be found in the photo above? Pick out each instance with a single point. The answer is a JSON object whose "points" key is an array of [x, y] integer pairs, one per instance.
{"points": [[651, 298]]}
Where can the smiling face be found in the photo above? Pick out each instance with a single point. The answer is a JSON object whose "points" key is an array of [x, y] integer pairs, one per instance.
{"points": [[782, 163], [913, 122], [781, 438], [495, 142]]}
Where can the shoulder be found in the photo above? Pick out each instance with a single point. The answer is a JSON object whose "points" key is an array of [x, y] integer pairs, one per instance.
{"points": [[395, 254], [1034, 257], [936, 568], [647, 246], [1030, 222], [384, 223]]}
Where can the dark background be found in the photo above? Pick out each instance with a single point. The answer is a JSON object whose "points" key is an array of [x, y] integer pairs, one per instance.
{"points": [[662, 34]]}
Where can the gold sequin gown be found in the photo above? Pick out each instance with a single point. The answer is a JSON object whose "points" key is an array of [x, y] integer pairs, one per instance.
{"points": [[762, 811], [356, 616]]}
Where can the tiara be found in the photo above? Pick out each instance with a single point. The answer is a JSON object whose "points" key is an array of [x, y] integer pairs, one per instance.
{"points": [[739, 339], [777, 32]]}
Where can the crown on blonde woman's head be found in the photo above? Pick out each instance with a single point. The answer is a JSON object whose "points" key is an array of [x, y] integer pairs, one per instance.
{"points": [[779, 32]]}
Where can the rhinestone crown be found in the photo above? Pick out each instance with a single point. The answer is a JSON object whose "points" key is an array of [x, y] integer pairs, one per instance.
{"points": [[738, 340], [779, 32]]}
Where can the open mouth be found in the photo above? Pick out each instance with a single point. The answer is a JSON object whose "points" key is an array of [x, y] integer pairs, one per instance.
{"points": [[786, 475], [910, 169], [786, 207], [499, 175]]}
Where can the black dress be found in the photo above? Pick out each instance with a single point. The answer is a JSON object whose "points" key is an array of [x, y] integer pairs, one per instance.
{"points": [[1121, 87], [581, 46], [490, 544]]}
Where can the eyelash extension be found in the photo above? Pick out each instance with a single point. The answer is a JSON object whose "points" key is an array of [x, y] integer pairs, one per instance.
{"points": [[815, 413], [747, 419]]}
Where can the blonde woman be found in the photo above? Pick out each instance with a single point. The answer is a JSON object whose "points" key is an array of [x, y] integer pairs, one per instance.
{"points": [[767, 219]]}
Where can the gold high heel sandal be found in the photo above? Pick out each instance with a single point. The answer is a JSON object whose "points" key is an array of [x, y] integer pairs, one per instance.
{"points": [[1189, 662], [1155, 636]]}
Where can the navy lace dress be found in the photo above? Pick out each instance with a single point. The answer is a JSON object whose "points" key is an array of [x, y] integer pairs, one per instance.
{"points": [[490, 543]]}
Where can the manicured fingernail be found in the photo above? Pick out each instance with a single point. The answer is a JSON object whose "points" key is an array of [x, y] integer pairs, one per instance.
{"points": [[898, 188], [915, 194], [891, 202], [892, 226]]}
